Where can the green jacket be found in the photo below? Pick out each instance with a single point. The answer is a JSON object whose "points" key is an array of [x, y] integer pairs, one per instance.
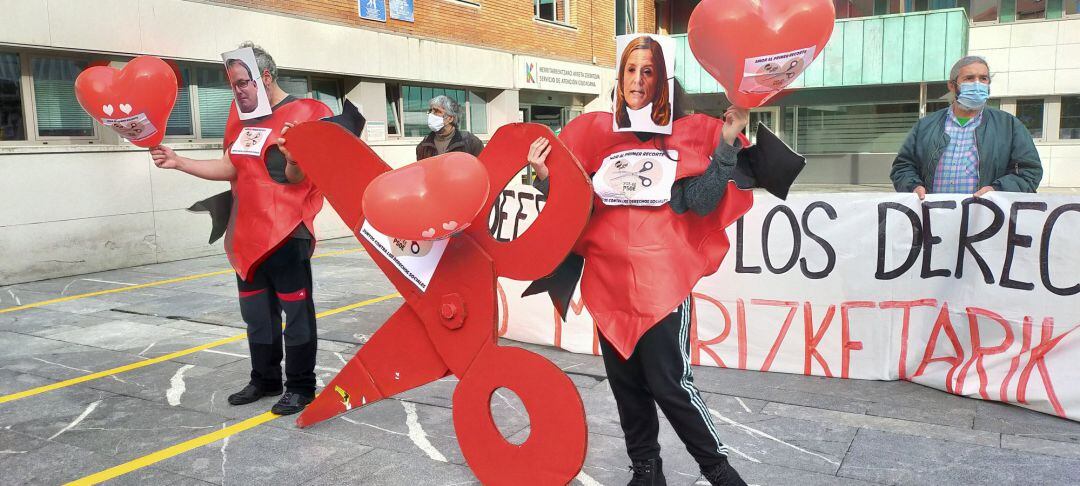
{"points": [[1008, 160]]}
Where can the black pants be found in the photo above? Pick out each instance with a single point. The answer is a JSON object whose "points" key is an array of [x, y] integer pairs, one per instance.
{"points": [[282, 283], [658, 373]]}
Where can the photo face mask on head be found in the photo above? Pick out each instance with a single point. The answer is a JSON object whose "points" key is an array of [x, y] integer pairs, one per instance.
{"points": [[645, 88], [245, 81]]}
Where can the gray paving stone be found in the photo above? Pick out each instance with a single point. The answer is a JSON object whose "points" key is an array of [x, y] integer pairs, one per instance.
{"points": [[792, 443], [58, 404], [29, 460], [383, 467], [907, 427], [903, 459], [383, 424], [42, 321], [172, 384], [264, 455], [763, 474], [121, 426], [68, 361], [1010, 419], [118, 335], [962, 415], [606, 461], [1040, 446], [19, 346]]}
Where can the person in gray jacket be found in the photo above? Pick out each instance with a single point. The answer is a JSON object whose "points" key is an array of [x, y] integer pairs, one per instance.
{"points": [[968, 148]]}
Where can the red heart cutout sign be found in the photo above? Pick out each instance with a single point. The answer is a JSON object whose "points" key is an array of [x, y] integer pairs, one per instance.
{"points": [[755, 48], [134, 101], [432, 199]]}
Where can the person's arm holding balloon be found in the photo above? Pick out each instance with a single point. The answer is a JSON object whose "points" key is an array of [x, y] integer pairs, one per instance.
{"points": [[213, 169], [702, 193]]}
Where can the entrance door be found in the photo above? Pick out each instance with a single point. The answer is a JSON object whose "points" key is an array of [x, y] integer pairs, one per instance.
{"points": [[768, 116], [552, 116]]}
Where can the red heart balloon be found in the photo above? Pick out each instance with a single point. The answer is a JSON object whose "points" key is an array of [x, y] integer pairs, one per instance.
{"points": [[134, 101], [429, 200], [755, 48]]}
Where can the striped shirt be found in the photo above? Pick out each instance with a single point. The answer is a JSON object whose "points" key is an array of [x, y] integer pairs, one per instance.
{"points": [[958, 169]]}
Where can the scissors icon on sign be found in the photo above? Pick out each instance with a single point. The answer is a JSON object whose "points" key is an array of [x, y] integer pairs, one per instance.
{"points": [[645, 181]]}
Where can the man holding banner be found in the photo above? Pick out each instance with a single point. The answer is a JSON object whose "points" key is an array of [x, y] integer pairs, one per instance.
{"points": [[968, 148]]}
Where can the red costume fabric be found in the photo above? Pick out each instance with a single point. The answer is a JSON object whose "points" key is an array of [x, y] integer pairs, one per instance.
{"points": [[642, 262], [265, 212]]}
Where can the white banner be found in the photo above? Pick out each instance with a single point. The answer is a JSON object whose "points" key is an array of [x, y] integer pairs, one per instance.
{"points": [[978, 297]]}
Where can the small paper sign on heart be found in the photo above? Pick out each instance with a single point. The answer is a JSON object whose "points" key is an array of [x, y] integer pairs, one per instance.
{"points": [[143, 92], [756, 48]]}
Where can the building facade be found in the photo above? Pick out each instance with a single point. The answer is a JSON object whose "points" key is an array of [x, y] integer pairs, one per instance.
{"points": [[887, 64], [78, 199]]}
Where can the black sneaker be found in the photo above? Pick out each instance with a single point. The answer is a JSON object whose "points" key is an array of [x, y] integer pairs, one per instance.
{"points": [[649, 472], [291, 403], [249, 394], [722, 474]]}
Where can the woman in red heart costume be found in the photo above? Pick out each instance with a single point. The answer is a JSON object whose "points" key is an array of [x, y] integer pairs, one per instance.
{"points": [[643, 254]]}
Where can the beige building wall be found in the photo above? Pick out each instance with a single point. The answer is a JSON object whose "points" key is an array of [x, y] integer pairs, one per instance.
{"points": [[1037, 59], [73, 209]]}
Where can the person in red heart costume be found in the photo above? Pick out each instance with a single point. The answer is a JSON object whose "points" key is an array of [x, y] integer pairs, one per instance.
{"points": [[660, 208], [269, 239]]}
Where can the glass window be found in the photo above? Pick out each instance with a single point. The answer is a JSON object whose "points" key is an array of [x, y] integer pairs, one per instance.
{"points": [[1030, 113], [849, 9], [327, 91], [854, 128], [294, 85], [11, 109], [416, 101], [215, 99], [625, 17], [1030, 9], [477, 113], [553, 10], [1072, 7], [917, 5], [942, 4], [982, 10], [393, 98], [1070, 117], [58, 112], [936, 105], [180, 119]]}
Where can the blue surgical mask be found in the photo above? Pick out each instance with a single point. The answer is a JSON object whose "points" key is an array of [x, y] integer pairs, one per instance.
{"points": [[973, 95]]}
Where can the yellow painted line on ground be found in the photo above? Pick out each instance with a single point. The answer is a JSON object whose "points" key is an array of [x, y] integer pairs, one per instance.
{"points": [[141, 364], [145, 285], [153, 458]]}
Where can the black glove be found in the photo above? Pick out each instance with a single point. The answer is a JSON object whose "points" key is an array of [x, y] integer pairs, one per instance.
{"points": [[769, 164]]}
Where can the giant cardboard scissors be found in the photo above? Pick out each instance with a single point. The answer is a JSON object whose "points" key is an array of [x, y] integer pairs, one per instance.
{"points": [[450, 328]]}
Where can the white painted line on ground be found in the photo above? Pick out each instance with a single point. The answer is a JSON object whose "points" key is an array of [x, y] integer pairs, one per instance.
{"points": [[753, 431], [737, 399], [586, 479], [177, 387], [342, 358], [62, 366], [143, 352], [82, 416], [106, 281], [417, 434]]}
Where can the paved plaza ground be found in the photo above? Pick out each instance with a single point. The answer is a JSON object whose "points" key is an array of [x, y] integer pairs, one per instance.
{"points": [[787, 429]]}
